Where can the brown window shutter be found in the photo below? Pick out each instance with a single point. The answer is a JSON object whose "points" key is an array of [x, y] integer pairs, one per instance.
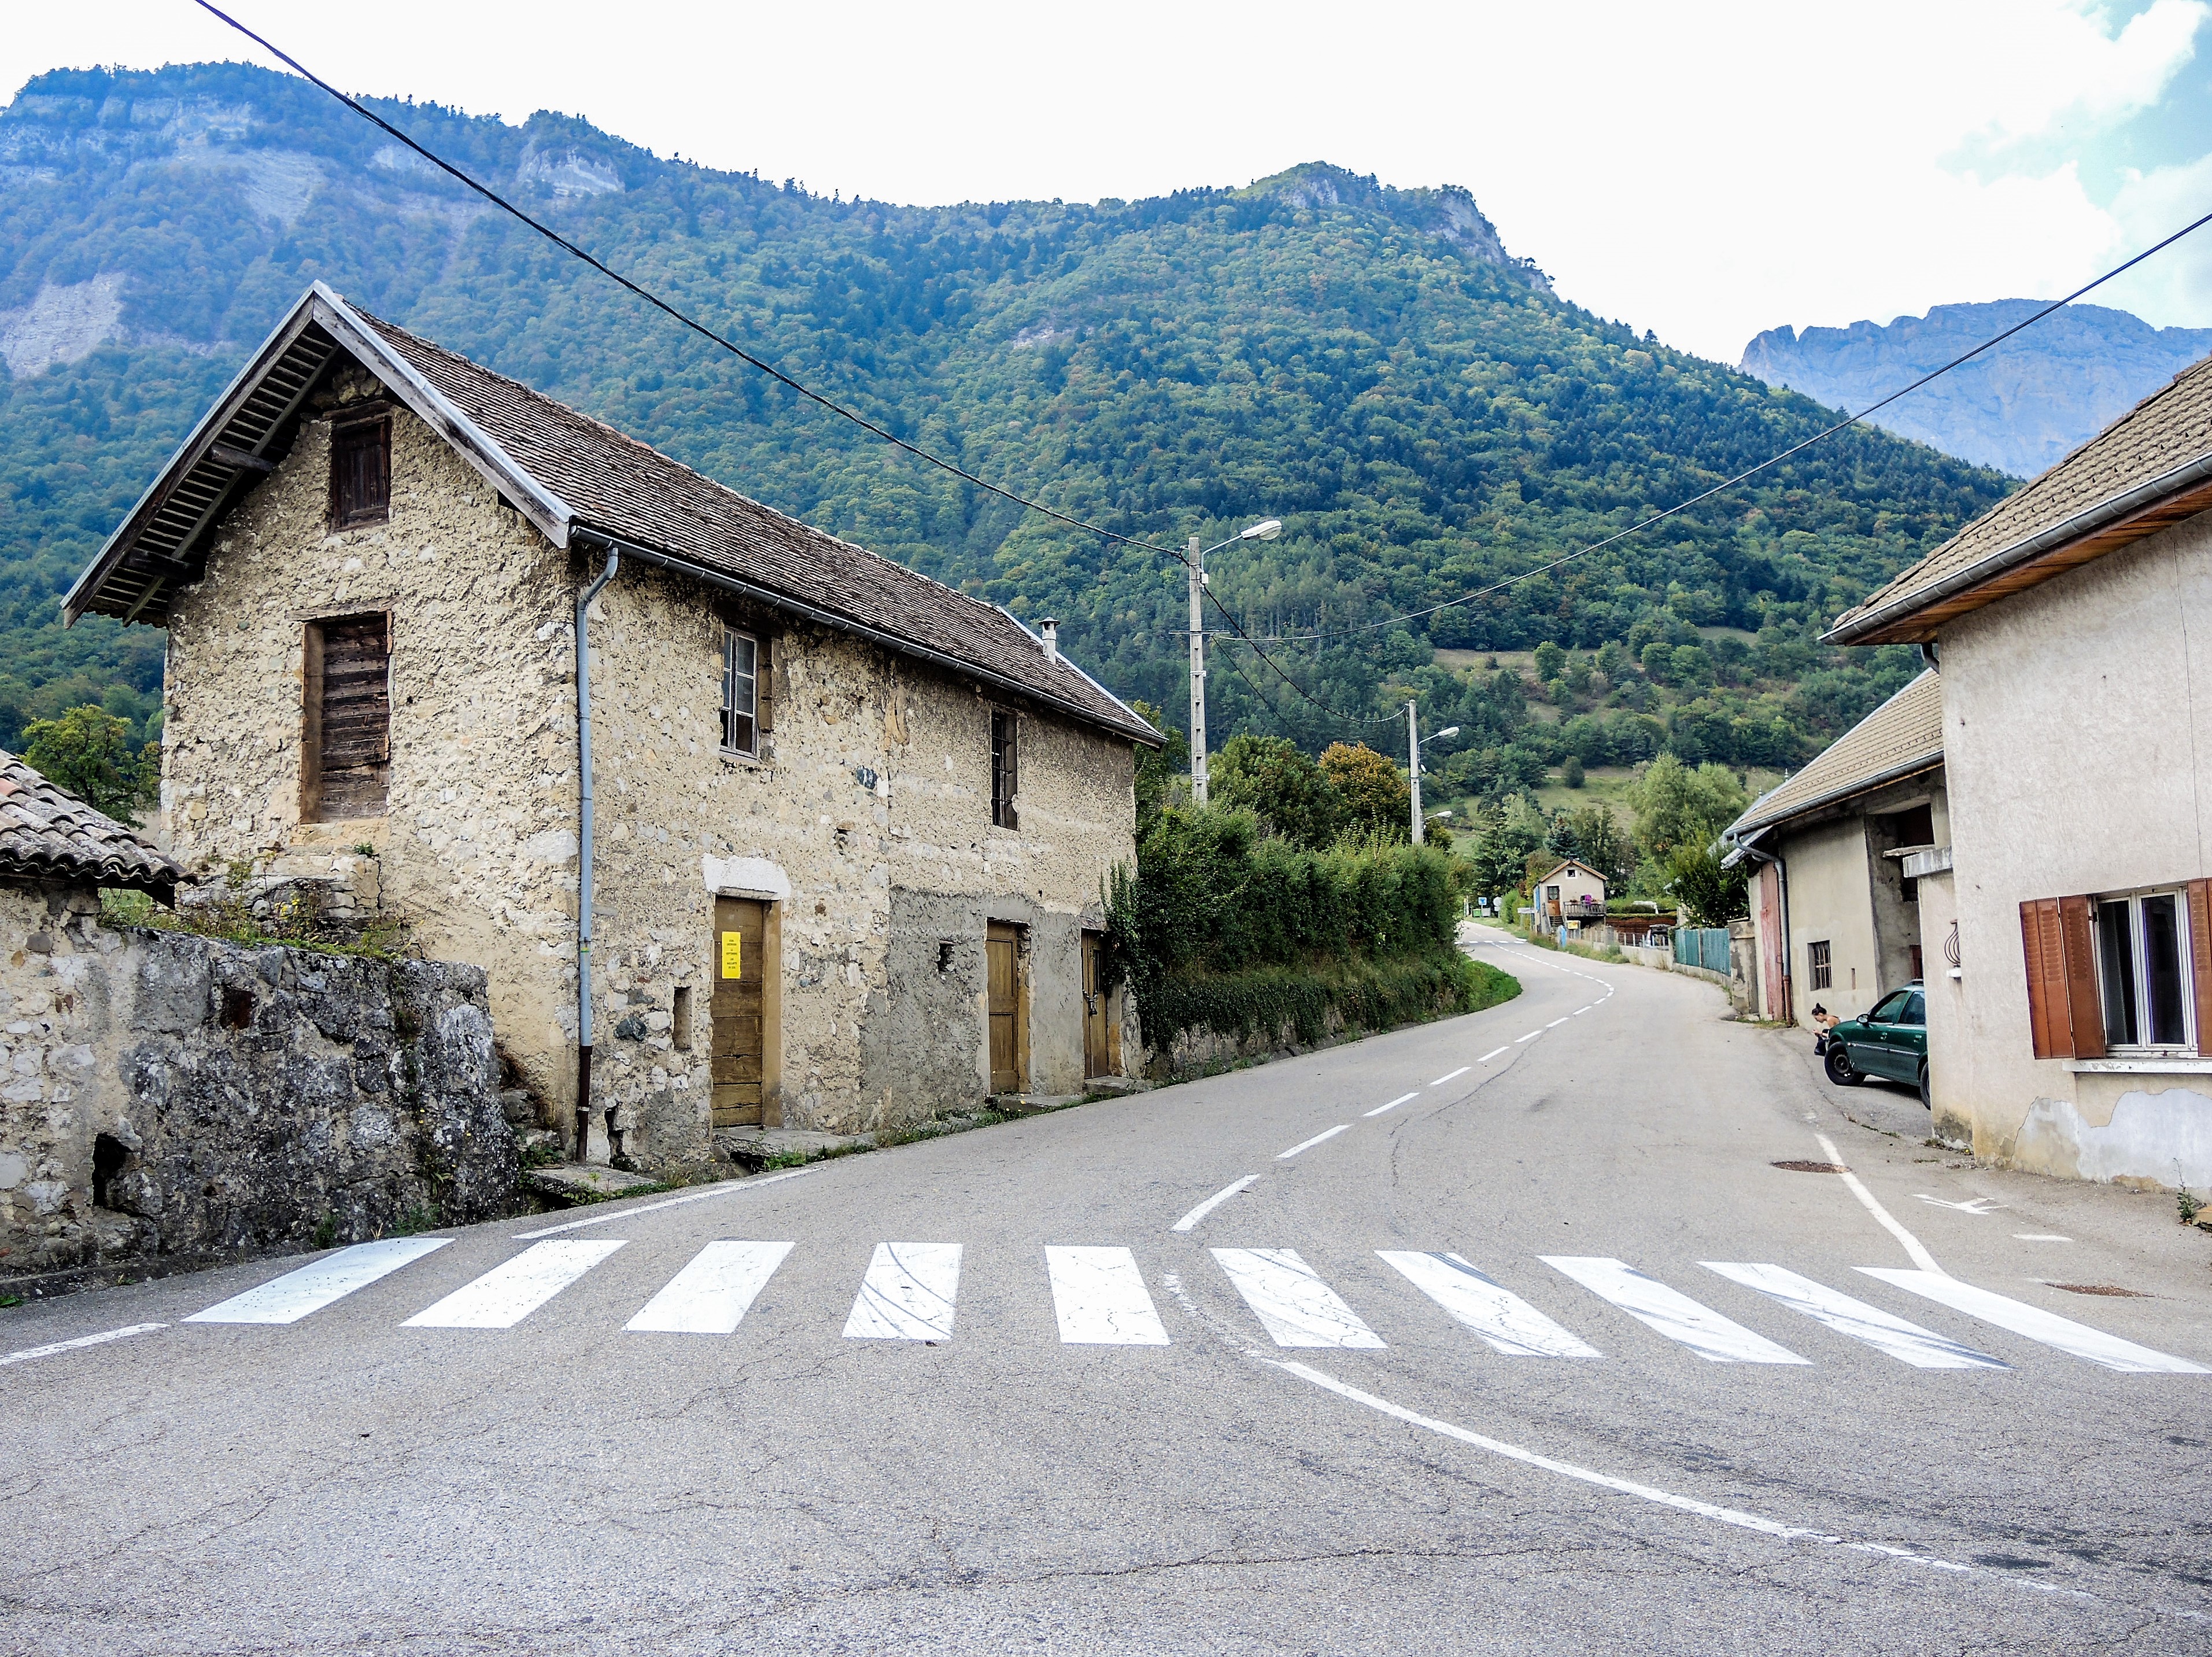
{"points": [[765, 683], [2046, 978], [2200, 959], [2078, 942]]}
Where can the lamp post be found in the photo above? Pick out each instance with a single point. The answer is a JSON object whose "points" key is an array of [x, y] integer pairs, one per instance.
{"points": [[1267, 530], [1414, 764]]}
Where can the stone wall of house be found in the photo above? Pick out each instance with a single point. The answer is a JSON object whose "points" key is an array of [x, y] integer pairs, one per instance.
{"points": [[874, 780], [169, 1098]]}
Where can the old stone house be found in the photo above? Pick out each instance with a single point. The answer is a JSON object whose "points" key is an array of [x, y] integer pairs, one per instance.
{"points": [[2066, 908], [837, 834], [1837, 852]]}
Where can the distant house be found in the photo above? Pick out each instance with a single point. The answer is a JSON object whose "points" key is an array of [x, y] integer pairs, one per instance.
{"points": [[828, 837], [2067, 908], [1569, 894], [1839, 852]]}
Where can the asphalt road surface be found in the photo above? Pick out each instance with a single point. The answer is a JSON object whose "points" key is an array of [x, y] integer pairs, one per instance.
{"points": [[1509, 1336]]}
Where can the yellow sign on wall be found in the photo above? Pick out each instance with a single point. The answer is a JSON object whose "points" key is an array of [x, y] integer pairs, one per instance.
{"points": [[733, 955]]}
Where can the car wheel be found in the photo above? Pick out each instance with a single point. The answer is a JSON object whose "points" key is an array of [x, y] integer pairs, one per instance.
{"points": [[1927, 1103], [1839, 1067]]}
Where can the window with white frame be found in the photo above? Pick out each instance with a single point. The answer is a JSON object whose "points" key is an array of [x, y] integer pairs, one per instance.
{"points": [[740, 693], [2143, 976]]}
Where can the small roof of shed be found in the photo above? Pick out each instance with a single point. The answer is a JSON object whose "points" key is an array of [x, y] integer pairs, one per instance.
{"points": [[47, 833], [1900, 739], [567, 473], [2150, 468]]}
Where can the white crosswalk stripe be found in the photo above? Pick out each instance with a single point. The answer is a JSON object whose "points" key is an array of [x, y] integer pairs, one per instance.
{"points": [[1670, 1312], [1505, 1320], [287, 1299], [909, 1294], [2048, 1327], [508, 1293], [1923, 1349], [1289, 1299], [711, 1295], [1099, 1296]]}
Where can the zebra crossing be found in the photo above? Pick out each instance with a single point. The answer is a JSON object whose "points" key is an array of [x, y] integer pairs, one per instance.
{"points": [[910, 1292]]}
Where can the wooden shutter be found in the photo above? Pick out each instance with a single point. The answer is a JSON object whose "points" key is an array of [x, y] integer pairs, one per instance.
{"points": [[353, 728], [2200, 959], [2078, 941], [763, 683]]}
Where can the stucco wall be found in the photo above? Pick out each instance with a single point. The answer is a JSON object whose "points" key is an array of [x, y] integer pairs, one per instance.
{"points": [[248, 1098], [876, 776], [2077, 752]]}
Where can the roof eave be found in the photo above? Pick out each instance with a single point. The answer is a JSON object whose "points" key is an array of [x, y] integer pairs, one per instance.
{"points": [[1749, 824]]}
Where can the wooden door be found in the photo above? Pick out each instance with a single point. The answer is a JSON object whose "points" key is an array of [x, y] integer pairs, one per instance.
{"points": [[740, 965], [1002, 955], [1097, 1060]]}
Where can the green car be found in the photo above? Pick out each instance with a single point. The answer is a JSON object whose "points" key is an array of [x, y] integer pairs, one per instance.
{"points": [[1890, 1043]]}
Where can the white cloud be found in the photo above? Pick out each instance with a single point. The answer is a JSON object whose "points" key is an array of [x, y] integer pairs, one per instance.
{"points": [[1708, 171]]}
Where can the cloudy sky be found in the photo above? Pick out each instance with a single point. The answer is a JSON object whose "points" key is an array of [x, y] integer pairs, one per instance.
{"points": [[1705, 169]]}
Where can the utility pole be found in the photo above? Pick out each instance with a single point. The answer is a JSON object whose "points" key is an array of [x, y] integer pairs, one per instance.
{"points": [[1414, 764], [1197, 673]]}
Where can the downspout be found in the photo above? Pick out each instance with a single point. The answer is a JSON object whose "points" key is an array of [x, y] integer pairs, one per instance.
{"points": [[584, 600]]}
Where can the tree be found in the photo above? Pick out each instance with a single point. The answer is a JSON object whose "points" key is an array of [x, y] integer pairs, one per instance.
{"points": [[1571, 773], [1162, 773], [87, 752], [1675, 805], [1709, 894], [1550, 658], [1376, 796], [1599, 842], [1277, 782], [1501, 850]]}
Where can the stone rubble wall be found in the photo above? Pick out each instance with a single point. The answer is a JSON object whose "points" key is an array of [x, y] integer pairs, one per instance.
{"points": [[171, 1099]]}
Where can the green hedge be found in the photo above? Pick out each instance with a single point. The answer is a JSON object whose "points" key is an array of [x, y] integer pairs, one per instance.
{"points": [[1367, 996]]}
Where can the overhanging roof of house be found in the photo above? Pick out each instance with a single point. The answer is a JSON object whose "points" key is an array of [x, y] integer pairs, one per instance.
{"points": [[47, 833], [1574, 863], [1901, 738], [2149, 469], [567, 474]]}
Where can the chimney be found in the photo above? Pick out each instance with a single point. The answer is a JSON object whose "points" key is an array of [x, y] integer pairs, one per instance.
{"points": [[1050, 628]]}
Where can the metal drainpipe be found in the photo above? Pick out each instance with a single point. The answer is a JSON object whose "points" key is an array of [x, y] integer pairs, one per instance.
{"points": [[584, 600]]}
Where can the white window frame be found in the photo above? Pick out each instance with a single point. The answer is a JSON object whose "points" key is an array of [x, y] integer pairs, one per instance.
{"points": [[731, 680], [2133, 899]]}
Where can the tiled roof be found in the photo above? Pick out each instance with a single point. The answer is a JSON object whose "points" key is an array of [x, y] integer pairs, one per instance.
{"points": [[48, 833], [2157, 448], [1902, 736]]}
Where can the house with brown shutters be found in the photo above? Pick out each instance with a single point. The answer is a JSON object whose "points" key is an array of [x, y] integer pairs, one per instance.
{"points": [[1836, 853], [746, 824], [2068, 935]]}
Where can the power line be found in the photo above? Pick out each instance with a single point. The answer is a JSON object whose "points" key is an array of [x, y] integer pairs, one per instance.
{"points": [[1752, 472]]}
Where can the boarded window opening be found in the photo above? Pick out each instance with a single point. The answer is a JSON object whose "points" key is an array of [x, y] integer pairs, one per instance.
{"points": [[360, 471], [347, 753], [109, 1157], [1824, 975], [1004, 772], [680, 1031]]}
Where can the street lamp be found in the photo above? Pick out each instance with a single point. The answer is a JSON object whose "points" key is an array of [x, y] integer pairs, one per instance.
{"points": [[1413, 762], [1265, 530]]}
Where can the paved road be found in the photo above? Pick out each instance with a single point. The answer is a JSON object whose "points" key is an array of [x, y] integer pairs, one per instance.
{"points": [[1451, 1377]]}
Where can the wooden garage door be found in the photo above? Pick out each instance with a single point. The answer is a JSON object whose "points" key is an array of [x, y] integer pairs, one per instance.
{"points": [[741, 967], [1002, 953]]}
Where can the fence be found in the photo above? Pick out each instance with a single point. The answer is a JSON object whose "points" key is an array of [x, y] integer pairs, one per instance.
{"points": [[1704, 947]]}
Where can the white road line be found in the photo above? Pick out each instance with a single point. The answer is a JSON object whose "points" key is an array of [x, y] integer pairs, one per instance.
{"points": [[907, 1294], [1396, 1102], [2078, 1340], [1556, 1023], [1670, 1312], [712, 1294], [507, 1293], [1452, 1075], [1297, 1307], [52, 1347], [1099, 1295], [287, 1299], [1734, 1516], [1579, 1011], [2039, 1237], [1214, 1202], [1500, 1317], [1531, 1036], [1331, 1133], [1919, 1255], [1923, 1349], [727, 1188], [1493, 1053]]}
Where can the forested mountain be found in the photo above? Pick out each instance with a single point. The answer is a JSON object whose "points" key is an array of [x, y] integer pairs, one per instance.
{"points": [[1366, 363], [2020, 407]]}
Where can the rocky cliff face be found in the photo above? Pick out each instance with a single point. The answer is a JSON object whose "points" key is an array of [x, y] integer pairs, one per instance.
{"points": [[2020, 407]]}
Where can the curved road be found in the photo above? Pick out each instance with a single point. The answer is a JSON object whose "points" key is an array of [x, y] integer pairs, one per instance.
{"points": [[1454, 1372]]}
